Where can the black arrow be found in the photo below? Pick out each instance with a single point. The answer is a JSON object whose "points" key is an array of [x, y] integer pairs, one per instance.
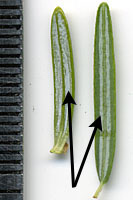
{"points": [[96, 124], [68, 100]]}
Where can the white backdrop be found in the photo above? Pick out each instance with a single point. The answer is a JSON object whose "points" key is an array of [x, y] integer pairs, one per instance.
{"points": [[47, 176]]}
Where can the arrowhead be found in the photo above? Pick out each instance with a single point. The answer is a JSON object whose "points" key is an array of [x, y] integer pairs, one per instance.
{"points": [[97, 123], [68, 99]]}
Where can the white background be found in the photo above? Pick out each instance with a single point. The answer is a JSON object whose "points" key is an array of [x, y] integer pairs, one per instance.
{"points": [[47, 176]]}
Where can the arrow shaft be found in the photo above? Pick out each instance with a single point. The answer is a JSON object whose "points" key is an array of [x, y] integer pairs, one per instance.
{"points": [[71, 145], [75, 181]]}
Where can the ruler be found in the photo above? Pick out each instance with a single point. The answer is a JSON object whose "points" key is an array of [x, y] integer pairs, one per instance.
{"points": [[11, 100]]}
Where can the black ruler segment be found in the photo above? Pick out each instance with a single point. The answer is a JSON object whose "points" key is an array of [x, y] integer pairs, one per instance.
{"points": [[11, 109], [10, 168], [11, 148], [12, 52], [9, 3], [14, 182], [11, 129], [13, 42], [10, 70], [11, 139], [10, 196], [11, 100], [10, 12], [10, 62], [13, 32]]}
